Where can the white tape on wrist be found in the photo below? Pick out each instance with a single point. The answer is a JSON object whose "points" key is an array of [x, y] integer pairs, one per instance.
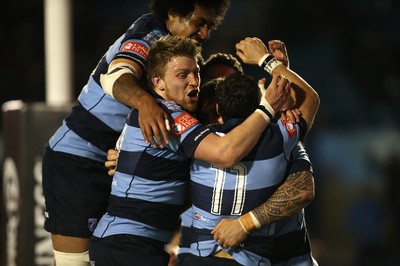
{"points": [[255, 220], [114, 72], [263, 113], [244, 229], [261, 61], [267, 106], [265, 109], [268, 63], [271, 65]]}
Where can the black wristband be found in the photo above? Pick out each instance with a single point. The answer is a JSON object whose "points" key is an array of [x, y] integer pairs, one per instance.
{"points": [[266, 61], [262, 108]]}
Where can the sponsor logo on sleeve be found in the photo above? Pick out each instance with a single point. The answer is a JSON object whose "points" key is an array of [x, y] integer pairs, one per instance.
{"points": [[290, 128], [153, 36], [135, 47], [182, 123]]}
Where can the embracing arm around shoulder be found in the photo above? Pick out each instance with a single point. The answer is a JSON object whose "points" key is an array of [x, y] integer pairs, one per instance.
{"points": [[292, 196], [228, 150], [121, 82], [253, 51]]}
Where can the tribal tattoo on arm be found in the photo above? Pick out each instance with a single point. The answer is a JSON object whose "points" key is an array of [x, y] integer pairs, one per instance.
{"points": [[292, 196]]}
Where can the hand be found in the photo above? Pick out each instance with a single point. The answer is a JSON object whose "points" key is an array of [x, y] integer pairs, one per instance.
{"points": [[229, 233], [251, 50], [293, 115], [278, 50], [154, 123], [278, 92], [111, 163]]}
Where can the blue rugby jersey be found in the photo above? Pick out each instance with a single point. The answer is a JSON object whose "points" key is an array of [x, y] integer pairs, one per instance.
{"points": [[96, 121], [149, 185], [291, 242], [218, 193]]}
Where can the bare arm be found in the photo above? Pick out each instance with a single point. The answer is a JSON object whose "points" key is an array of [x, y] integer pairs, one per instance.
{"points": [[227, 151], [292, 196], [152, 118], [252, 50]]}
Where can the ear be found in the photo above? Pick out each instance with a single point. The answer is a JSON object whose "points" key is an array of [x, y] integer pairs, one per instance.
{"points": [[217, 109], [157, 83], [219, 119], [171, 16]]}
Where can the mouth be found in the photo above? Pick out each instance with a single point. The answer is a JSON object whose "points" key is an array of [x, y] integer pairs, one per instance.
{"points": [[193, 95]]}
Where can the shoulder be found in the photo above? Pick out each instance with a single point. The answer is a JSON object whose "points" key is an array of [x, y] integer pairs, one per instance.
{"points": [[147, 27]]}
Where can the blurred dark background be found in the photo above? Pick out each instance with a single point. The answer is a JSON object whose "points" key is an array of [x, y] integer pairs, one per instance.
{"points": [[348, 50]]}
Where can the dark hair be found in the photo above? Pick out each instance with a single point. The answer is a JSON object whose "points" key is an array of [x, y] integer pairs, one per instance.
{"points": [[237, 96], [221, 59], [166, 48], [183, 8]]}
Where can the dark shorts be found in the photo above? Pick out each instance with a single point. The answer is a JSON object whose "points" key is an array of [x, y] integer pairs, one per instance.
{"points": [[76, 192], [127, 250], [186, 259]]}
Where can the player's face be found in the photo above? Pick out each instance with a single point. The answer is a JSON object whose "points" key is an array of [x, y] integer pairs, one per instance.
{"points": [[181, 82], [196, 26]]}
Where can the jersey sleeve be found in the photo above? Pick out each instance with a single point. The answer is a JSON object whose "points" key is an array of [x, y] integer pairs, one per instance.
{"points": [[299, 160], [187, 133], [139, 38]]}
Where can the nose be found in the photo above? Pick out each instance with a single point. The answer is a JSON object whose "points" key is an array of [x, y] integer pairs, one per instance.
{"points": [[204, 32], [194, 80]]}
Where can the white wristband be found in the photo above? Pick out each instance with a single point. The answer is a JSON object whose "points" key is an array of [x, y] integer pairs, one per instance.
{"points": [[244, 229], [263, 58], [270, 66], [268, 63], [265, 109], [264, 114], [255, 220]]}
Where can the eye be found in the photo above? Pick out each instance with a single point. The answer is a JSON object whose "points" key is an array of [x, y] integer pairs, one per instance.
{"points": [[182, 75], [200, 23]]}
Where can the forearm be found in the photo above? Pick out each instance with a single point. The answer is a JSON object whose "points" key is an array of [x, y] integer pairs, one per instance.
{"points": [[292, 196], [126, 90], [227, 151], [307, 99]]}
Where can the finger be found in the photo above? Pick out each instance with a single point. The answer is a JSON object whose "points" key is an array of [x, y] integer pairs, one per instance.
{"points": [[262, 81], [283, 116], [275, 79], [240, 54], [110, 164], [144, 132], [112, 155], [167, 129], [148, 136], [290, 116], [157, 129]]}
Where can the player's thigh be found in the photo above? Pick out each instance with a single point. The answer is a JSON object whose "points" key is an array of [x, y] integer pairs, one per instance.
{"points": [[76, 192], [127, 250], [70, 244]]}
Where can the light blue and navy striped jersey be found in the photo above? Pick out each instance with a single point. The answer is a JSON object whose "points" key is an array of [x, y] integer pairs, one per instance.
{"points": [[291, 242], [96, 121], [218, 193], [149, 186]]}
